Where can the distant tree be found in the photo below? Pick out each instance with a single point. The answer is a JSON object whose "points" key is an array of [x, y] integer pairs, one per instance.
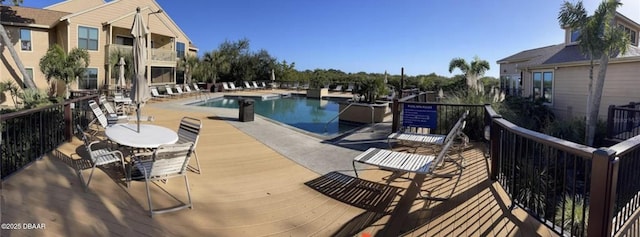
{"points": [[27, 80], [472, 71], [57, 64], [599, 38]]}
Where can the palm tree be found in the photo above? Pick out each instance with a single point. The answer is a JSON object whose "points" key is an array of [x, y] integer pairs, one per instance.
{"points": [[599, 38], [59, 65], [190, 64], [473, 71], [28, 81]]}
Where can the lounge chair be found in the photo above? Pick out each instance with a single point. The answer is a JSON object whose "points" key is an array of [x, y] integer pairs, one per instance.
{"points": [[157, 95], [189, 131], [264, 85], [197, 88], [111, 114], [412, 135], [414, 163], [170, 91], [248, 86], [99, 116], [349, 88], [233, 86], [179, 90], [168, 161], [97, 157], [337, 89], [255, 85]]}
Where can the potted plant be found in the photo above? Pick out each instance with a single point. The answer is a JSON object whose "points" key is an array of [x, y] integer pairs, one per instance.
{"points": [[365, 108], [317, 88]]}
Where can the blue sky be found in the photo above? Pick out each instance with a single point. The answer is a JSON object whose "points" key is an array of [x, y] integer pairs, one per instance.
{"points": [[375, 35]]}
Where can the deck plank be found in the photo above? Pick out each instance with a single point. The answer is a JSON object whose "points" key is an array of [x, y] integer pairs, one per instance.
{"points": [[248, 189]]}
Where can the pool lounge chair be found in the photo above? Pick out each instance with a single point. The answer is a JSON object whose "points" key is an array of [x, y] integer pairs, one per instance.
{"points": [[168, 161], [170, 91], [337, 89], [255, 85], [156, 95], [349, 88], [414, 163], [248, 86], [413, 136], [233, 86]]}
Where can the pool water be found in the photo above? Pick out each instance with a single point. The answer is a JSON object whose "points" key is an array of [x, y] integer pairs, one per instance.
{"points": [[297, 111]]}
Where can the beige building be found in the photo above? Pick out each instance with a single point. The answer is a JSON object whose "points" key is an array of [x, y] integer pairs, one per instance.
{"points": [[559, 74], [101, 28]]}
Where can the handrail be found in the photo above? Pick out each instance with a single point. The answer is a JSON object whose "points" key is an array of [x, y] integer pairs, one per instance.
{"points": [[327, 124]]}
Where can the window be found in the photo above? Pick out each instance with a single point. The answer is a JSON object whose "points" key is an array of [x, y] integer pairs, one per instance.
{"points": [[25, 39], [180, 50], [89, 80], [632, 34], [543, 86], [575, 35], [162, 75], [122, 40], [88, 38], [29, 72]]}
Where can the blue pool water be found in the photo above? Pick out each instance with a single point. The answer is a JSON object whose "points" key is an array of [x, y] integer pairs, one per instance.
{"points": [[297, 111]]}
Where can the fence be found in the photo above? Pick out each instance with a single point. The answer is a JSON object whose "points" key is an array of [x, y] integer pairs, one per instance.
{"points": [[623, 121], [29, 134]]}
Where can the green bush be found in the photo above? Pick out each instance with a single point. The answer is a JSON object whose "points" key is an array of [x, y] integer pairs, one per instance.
{"points": [[33, 98], [573, 130], [527, 113], [576, 210]]}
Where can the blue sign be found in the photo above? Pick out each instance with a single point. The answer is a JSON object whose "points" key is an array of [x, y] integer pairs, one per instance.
{"points": [[419, 115]]}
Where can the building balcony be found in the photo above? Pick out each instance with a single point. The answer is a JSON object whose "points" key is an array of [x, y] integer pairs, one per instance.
{"points": [[163, 57]]}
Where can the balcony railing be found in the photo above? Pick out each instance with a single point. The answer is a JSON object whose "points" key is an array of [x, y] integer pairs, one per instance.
{"points": [[29, 134], [623, 121], [157, 55], [574, 189]]}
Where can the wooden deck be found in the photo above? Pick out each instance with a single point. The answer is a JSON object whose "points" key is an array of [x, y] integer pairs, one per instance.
{"points": [[248, 189]]}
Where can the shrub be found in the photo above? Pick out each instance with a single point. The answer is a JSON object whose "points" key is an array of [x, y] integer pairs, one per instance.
{"points": [[573, 130], [577, 210], [33, 98]]}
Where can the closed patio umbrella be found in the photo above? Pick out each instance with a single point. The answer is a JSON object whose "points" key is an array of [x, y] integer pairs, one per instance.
{"points": [[139, 91], [121, 81]]}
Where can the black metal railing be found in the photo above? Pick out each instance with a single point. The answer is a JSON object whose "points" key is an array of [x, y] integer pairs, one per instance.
{"points": [[29, 134], [627, 189], [546, 176], [447, 115], [623, 121]]}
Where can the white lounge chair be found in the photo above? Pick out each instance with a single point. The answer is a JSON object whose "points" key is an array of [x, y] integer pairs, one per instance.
{"points": [[337, 89], [179, 90], [233, 86], [157, 95], [414, 163], [255, 85], [97, 157], [168, 161], [170, 91], [248, 86], [412, 135], [111, 114], [349, 88]]}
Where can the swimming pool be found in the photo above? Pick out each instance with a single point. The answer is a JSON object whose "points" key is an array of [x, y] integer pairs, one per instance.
{"points": [[308, 114]]}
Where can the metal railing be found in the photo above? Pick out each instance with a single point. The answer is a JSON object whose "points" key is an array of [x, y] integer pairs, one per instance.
{"points": [[623, 121], [574, 189], [29, 134], [156, 55]]}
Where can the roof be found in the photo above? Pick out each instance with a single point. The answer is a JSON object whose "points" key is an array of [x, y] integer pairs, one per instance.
{"points": [[26, 15], [572, 53], [532, 56]]}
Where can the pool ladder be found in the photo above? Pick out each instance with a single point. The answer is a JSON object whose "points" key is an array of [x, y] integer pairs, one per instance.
{"points": [[345, 108]]}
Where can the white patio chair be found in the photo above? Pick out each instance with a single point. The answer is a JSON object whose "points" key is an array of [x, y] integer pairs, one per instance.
{"points": [[189, 131], [170, 91], [233, 86], [97, 157], [248, 86], [168, 161]]}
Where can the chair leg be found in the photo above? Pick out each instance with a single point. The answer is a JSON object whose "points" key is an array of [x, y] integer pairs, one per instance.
{"points": [[146, 185], [197, 162], [354, 168], [186, 182], [90, 176]]}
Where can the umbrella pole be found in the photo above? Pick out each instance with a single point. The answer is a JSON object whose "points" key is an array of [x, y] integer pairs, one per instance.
{"points": [[138, 116]]}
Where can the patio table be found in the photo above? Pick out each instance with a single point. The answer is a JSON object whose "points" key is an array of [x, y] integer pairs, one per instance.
{"points": [[149, 137]]}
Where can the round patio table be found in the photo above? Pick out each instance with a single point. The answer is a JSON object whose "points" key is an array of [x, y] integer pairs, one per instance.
{"points": [[150, 136]]}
